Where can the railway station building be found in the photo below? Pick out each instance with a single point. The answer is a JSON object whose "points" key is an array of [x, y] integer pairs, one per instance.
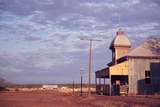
{"points": [[131, 71]]}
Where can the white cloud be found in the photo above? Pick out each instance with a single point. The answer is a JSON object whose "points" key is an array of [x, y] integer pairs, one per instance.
{"points": [[22, 23], [98, 5], [90, 22], [153, 5], [142, 30], [45, 2], [142, 27], [61, 38], [130, 3], [38, 61], [48, 38], [110, 5]]}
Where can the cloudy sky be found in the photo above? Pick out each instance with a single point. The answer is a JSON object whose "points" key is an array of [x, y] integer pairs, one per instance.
{"points": [[39, 39]]}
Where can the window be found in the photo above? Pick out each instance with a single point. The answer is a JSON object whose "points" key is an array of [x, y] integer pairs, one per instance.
{"points": [[147, 77], [147, 74], [113, 55]]}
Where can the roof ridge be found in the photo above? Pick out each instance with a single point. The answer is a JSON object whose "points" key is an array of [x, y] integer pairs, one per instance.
{"points": [[146, 49]]}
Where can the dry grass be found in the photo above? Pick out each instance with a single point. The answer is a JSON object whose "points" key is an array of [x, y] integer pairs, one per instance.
{"points": [[56, 99]]}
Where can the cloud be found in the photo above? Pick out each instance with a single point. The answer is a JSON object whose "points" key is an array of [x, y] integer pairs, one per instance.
{"points": [[145, 27], [110, 5], [21, 24], [98, 5], [43, 37], [30, 38], [33, 62], [4, 62], [46, 2], [143, 30]]}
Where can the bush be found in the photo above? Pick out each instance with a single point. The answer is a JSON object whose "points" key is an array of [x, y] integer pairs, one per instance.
{"points": [[2, 88]]}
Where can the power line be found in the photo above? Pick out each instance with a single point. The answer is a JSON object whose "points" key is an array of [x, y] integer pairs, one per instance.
{"points": [[90, 61]]}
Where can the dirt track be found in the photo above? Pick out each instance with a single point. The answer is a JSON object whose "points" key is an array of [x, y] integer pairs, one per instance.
{"points": [[56, 99]]}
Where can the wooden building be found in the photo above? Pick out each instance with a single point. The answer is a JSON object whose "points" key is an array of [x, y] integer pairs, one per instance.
{"points": [[131, 71]]}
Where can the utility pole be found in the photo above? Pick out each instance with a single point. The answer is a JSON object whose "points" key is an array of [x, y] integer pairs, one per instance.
{"points": [[81, 74], [90, 62], [73, 87]]}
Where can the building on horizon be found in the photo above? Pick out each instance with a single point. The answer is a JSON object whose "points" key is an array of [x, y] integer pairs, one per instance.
{"points": [[131, 71]]}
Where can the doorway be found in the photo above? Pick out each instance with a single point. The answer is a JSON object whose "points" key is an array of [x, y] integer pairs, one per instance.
{"points": [[118, 84]]}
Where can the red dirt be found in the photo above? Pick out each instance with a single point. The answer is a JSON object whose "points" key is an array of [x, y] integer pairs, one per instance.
{"points": [[56, 99]]}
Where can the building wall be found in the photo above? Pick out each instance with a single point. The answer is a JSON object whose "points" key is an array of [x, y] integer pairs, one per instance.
{"points": [[120, 51], [137, 68], [50, 86], [119, 69]]}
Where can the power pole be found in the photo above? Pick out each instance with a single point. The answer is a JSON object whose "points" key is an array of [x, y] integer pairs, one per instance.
{"points": [[73, 87], [90, 62], [81, 75]]}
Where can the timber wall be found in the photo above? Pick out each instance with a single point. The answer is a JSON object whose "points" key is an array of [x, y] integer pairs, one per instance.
{"points": [[137, 67]]}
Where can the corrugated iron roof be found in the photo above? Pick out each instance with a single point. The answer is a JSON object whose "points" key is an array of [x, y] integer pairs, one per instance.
{"points": [[149, 48]]}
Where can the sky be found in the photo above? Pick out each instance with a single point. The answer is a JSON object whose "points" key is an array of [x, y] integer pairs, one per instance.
{"points": [[40, 39]]}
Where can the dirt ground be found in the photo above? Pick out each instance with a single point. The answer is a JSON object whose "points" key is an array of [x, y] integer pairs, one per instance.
{"points": [[56, 99]]}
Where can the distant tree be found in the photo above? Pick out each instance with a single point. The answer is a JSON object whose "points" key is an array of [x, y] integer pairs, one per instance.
{"points": [[3, 88]]}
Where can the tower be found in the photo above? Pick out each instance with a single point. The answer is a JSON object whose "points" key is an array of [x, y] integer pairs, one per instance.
{"points": [[119, 46]]}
